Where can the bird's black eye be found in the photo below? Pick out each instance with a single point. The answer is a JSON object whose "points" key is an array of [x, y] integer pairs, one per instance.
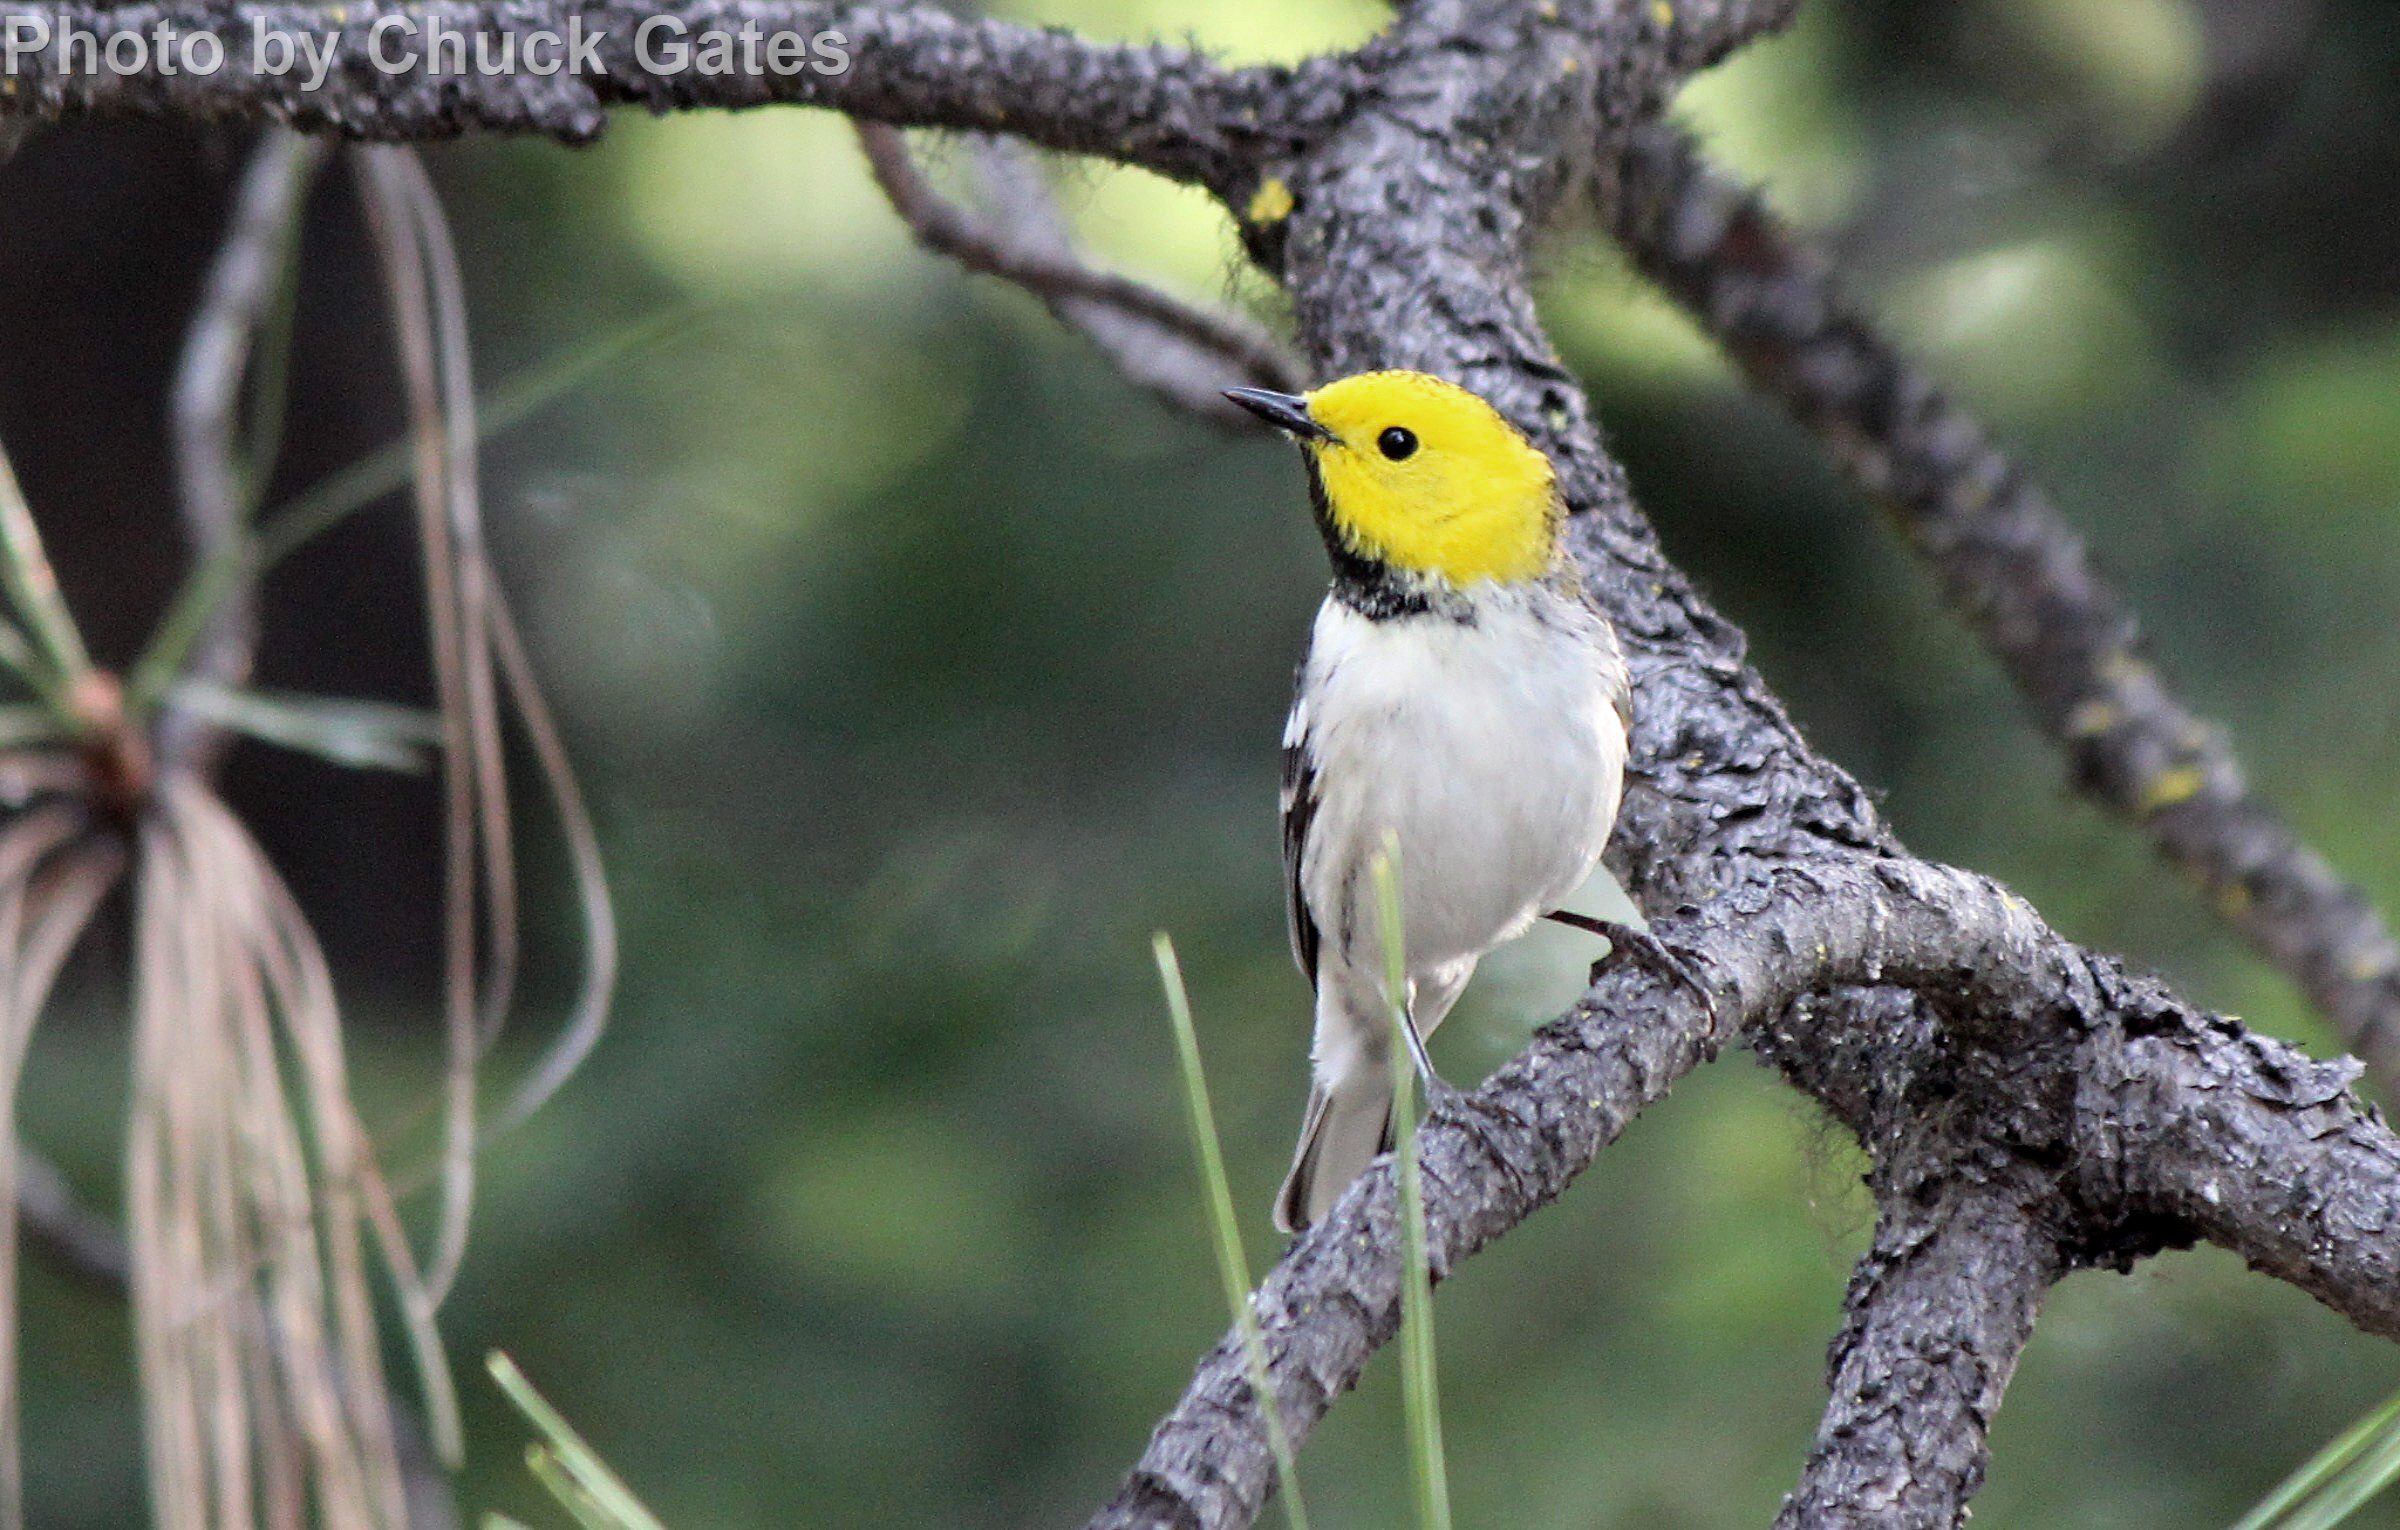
{"points": [[1397, 442]]}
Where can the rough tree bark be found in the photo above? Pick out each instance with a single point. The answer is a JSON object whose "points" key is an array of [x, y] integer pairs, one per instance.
{"points": [[2029, 1107], [2016, 573]]}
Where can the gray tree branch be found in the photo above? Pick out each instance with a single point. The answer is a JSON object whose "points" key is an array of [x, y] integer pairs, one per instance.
{"points": [[1733, 807], [1937, 1314], [1169, 109], [2015, 572], [216, 488], [1179, 351], [1701, 32]]}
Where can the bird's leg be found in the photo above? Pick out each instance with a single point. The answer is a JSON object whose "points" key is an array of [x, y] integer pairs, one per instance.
{"points": [[1435, 1087], [1641, 946]]}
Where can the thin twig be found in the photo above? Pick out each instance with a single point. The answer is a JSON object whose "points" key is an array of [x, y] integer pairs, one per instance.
{"points": [[1181, 351], [216, 488], [2017, 575]]}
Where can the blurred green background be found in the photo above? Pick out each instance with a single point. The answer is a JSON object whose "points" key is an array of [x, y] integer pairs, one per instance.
{"points": [[918, 671]]}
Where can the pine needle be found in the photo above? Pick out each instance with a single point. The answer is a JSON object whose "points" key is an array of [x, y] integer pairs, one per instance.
{"points": [[249, 1183], [40, 919], [420, 288], [563, 1463], [32, 588], [1233, 1266], [1419, 1382], [2339, 1480]]}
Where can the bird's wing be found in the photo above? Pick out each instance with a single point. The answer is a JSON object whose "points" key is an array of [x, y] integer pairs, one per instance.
{"points": [[1299, 811], [1615, 678]]}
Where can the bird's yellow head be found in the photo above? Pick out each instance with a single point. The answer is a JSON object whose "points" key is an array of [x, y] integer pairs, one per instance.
{"points": [[1420, 475]]}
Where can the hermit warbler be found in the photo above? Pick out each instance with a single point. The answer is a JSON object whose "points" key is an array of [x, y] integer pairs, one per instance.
{"points": [[1459, 699]]}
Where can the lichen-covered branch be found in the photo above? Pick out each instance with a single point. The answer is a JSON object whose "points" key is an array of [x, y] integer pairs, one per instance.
{"points": [[1407, 247], [2016, 573], [1938, 1313], [1991, 1127], [1701, 32], [2256, 1148], [1170, 109]]}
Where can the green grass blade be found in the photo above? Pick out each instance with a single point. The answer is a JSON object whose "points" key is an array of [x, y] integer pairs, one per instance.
{"points": [[1420, 1389], [270, 369], [2326, 1466], [2372, 1440], [543, 1462], [1233, 1266], [568, 1467], [2352, 1491]]}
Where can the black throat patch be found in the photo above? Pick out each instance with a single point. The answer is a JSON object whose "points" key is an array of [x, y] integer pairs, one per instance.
{"points": [[1369, 586]]}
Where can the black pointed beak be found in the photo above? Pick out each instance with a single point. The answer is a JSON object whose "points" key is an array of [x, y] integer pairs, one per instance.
{"points": [[1287, 412]]}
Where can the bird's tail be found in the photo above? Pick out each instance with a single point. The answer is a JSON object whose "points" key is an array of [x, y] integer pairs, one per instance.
{"points": [[1339, 1136]]}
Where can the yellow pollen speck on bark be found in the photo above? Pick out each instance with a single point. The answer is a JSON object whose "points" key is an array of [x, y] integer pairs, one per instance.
{"points": [[2179, 784], [2091, 719], [1271, 203], [2122, 668], [1663, 14]]}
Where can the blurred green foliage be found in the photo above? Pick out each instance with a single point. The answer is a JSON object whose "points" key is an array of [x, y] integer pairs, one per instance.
{"points": [[919, 672]]}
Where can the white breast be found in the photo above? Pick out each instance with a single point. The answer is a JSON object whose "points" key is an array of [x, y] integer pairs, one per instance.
{"points": [[1493, 750]]}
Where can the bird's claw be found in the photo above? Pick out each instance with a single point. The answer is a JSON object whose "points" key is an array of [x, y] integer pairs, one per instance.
{"points": [[1439, 1091], [1643, 947], [1435, 1086]]}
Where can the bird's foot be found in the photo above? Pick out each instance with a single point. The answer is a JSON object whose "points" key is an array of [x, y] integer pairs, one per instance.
{"points": [[1643, 947], [1439, 1091], [1435, 1086]]}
